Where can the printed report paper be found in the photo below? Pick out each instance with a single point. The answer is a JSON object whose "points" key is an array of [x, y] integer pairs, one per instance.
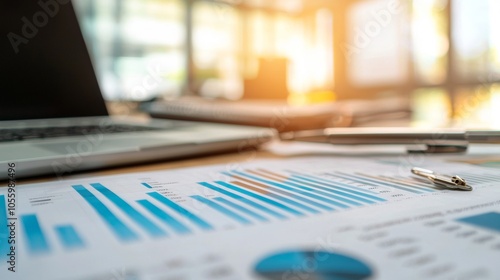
{"points": [[327, 217]]}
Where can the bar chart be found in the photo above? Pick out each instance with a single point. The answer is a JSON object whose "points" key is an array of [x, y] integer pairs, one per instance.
{"points": [[4, 230], [342, 218], [37, 242], [245, 198]]}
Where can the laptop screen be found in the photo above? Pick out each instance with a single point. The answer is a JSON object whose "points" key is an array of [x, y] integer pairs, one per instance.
{"points": [[45, 69]]}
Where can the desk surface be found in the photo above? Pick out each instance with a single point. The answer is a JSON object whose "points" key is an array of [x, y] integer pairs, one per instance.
{"points": [[358, 216], [274, 150], [227, 158]]}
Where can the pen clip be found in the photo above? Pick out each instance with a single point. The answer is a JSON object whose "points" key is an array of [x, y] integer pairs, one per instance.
{"points": [[449, 182], [439, 147]]}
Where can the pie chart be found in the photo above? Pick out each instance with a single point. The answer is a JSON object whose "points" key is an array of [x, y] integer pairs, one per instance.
{"points": [[312, 265]]}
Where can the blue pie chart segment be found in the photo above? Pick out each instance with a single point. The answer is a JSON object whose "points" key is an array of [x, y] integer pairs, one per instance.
{"points": [[317, 265]]}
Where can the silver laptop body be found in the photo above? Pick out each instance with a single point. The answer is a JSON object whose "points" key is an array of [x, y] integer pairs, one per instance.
{"points": [[48, 87]]}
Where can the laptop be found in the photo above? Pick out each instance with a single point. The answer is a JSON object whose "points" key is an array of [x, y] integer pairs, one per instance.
{"points": [[53, 118]]}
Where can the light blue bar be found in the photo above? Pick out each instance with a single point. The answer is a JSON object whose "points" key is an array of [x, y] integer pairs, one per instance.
{"points": [[321, 192], [241, 209], [299, 205], [244, 200], [4, 230], [147, 185], [165, 217], [284, 198], [414, 182], [192, 217], [491, 176], [288, 188], [363, 180], [482, 176], [340, 193], [261, 198], [122, 231], [470, 179], [360, 196], [478, 178], [36, 240], [489, 220], [69, 237], [222, 210], [410, 185], [383, 182], [352, 189], [132, 213]]}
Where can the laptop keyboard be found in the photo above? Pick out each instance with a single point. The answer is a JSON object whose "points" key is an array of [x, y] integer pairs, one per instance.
{"points": [[18, 134]]}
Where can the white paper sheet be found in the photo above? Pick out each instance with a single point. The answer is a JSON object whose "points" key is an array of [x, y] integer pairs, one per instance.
{"points": [[349, 218]]}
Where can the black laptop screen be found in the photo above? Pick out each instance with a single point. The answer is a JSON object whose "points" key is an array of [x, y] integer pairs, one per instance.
{"points": [[45, 69]]}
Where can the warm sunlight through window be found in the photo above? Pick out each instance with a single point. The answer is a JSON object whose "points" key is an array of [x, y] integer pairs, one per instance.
{"points": [[137, 45], [437, 53], [430, 40]]}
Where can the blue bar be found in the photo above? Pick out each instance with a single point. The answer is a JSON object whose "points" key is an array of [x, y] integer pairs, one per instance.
{"points": [[482, 176], [284, 198], [297, 197], [315, 189], [279, 185], [427, 188], [36, 240], [411, 188], [122, 231], [392, 181], [343, 190], [165, 217], [491, 176], [489, 220], [474, 182], [299, 205], [241, 209], [190, 216], [147, 185], [478, 178], [413, 182], [69, 237], [368, 181], [340, 193], [352, 189], [244, 200], [132, 213], [261, 198], [470, 179], [222, 209], [4, 231]]}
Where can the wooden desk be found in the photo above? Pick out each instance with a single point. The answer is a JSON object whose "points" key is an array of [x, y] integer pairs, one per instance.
{"points": [[228, 158]]}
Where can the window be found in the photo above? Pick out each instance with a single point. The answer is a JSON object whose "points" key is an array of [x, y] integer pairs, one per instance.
{"points": [[138, 46], [429, 51], [442, 54]]}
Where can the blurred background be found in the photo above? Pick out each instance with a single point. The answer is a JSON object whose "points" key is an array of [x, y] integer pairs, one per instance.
{"points": [[440, 56]]}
